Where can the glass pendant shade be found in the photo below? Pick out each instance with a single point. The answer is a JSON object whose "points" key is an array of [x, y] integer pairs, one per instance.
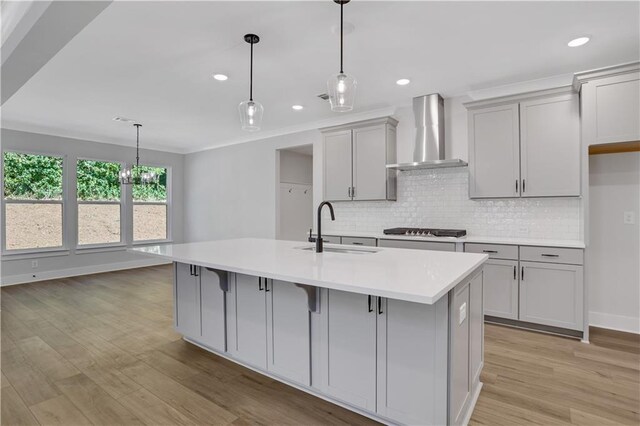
{"points": [[250, 115], [342, 92]]}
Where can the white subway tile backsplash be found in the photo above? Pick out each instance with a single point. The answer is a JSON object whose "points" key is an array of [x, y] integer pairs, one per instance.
{"points": [[439, 198]]}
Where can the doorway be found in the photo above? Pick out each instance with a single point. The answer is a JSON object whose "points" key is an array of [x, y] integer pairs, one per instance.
{"points": [[295, 196]]}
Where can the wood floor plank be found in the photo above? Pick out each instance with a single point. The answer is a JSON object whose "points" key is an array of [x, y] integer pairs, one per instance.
{"points": [[31, 384], [46, 359], [152, 410], [14, 411], [58, 411]]}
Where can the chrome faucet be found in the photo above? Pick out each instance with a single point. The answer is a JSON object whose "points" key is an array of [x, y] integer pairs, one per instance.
{"points": [[318, 239]]}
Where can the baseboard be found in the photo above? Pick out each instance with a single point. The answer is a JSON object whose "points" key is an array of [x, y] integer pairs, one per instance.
{"points": [[615, 322], [74, 272]]}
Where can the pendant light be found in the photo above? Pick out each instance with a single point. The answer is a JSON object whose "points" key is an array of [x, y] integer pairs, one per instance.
{"points": [[342, 87], [251, 111], [132, 175]]}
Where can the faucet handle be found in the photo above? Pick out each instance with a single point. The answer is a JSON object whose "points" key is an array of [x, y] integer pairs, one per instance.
{"points": [[311, 239]]}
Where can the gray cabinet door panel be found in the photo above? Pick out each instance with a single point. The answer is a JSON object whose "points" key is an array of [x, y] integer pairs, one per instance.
{"points": [[369, 163], [460, 381], [552, 294], [250, 321], [187, 301], [417, 245], [501, 288], [212, 305], [288, 332], [359, 241], [494, 152], [412, 362], [349, 344], [337, 165], [476, 327], [550, 146]]}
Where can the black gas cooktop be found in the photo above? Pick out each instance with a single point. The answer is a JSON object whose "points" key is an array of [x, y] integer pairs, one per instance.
{"points": [[426, 232]]}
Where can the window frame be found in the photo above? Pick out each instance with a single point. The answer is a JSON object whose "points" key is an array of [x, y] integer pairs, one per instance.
{"points": [[63, 201], [91, 247], [168, 203]]}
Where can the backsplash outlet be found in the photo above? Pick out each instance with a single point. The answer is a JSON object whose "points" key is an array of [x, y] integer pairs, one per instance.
{"points": [[439, 198]]}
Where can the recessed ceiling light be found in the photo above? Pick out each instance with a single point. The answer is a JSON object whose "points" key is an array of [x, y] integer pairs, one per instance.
{"points": [[403, 82], [220, 77], [578, 41], [123, 119], [297, 107]]}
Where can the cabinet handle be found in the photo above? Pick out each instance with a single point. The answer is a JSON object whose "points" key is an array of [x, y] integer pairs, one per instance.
{"points": [[353, 191], [266, 285], [195, 271], [349, 192], [514, 272], [379, 305], [357, 244], [516, 186], [260, 284], [522, 274], [369, 304], [549, 255], [191, 270], [489, 251], [523, 186]]}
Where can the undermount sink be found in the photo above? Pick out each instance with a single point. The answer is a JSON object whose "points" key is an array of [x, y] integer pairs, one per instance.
{"points": [[340, 250]]}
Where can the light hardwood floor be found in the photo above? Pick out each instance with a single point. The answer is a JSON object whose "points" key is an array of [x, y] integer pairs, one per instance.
{"points": [[100, 349]]}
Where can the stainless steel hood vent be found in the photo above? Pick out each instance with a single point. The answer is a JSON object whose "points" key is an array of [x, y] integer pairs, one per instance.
{"points": [[428, 152]]}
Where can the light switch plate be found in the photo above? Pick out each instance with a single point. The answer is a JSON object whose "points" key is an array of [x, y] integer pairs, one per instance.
{"points": [[629, 218], [463, 313]]}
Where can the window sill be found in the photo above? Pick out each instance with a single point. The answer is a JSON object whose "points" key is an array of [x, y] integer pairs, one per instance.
{"points": [[100, 248], [34, 254], [151, 242]]}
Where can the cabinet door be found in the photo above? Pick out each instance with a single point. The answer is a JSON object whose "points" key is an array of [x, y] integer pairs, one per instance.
{"points": [[501, 288], [476, 328], [494, 152], [369, 163], [417, 245], [212, 305], [337, 166], [349, 344], [551, 294], [611, 109], [187, 300], [459, 357], [412, 362], [288, 332], [550, 146], [250, 319]]}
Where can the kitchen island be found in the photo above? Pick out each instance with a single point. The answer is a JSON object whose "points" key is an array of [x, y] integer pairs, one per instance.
{"points": [[394, 334]]}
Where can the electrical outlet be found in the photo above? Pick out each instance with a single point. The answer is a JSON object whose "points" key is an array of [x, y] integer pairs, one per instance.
{"points": [[34, 263], [629, 218], [523, 231], [463, 313]]}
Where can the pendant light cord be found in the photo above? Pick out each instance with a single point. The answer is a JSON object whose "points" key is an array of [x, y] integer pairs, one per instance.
{"points": [[251, 75], [341, 36]]}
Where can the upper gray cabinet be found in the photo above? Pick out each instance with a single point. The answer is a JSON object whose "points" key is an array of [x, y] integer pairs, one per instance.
{"points": [[610, 104], [525, 146], [355, 159]]}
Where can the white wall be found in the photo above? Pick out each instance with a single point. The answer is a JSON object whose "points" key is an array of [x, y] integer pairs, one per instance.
{"points": [[295, 202], [231, 191], [18, 268], [613, 256]]}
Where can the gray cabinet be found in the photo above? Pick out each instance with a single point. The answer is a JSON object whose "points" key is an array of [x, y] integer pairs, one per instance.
{"points": [[355, 159], [248, 311], [501, 288], [610, 104], [551, 294], [494, 152], [525, 146], [461, 379], [212, 309], [349, 348], [550, 146], [417, 245], [476, 327], [187, 299], [359, 241]]}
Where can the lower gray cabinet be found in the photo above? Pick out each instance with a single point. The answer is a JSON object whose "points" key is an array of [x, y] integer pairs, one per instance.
{"points": [[501, 288], [476, 327], [269, 326], [418, 245], [349, 345], [552, 294], [460, 373], [186, 288], [212, 309]]}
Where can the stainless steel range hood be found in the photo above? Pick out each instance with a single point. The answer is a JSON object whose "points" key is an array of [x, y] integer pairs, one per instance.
{"points": [[428, 152]]}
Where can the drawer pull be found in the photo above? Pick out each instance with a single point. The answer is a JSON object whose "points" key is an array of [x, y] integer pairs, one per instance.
{"points": [[549, 255], [514, 272], [490, 251], [357, 244], [369, 303]]}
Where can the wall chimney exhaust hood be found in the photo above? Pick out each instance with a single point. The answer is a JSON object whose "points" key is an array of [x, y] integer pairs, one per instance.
{"points": [[428, 152]]}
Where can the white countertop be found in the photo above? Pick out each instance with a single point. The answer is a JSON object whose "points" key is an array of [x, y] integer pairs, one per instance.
{"points": [[421, 276], [466, 239]]}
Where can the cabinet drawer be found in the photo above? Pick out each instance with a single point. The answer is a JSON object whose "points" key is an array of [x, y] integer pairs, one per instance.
{"points": [[418, 245], [495, 251], [356, 241], [332, 239], [552, 255]]}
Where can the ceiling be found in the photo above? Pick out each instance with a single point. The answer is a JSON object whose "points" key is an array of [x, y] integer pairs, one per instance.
{"points": [[153, 62]]}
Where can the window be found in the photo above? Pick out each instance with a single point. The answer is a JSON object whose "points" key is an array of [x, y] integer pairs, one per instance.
{"points": [[33, 201], [99, 202], [150, 207]]}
